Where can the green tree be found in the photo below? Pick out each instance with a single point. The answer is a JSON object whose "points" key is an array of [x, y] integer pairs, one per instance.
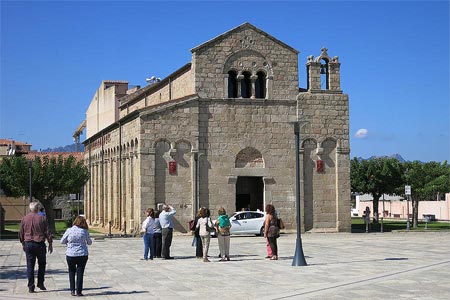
{"points": [[51, 177], [427, 181], [376, 176]]}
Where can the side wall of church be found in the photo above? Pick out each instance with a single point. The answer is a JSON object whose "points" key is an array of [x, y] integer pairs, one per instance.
{"points": [[170, 136]]}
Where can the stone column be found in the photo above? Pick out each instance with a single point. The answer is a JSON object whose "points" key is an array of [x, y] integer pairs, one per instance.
{"points": [[96, 193], [88, 196], [118, 195], [131, 183], [253, 91], [269, 87], [102, 193], [225, 86], [124, 196], [111, 191], [105, 192], [239, 78]]}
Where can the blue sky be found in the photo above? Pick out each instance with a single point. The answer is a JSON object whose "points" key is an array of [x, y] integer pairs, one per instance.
{"points": [[394, 61]]}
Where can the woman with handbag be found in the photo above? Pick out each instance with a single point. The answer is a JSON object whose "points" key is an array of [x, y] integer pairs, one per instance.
{"points": [[198, 240], [205, 226], [271, 230], [223, 234]]}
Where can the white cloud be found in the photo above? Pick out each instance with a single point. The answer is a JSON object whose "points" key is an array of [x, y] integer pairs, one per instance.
{"points": [[361, 133]]}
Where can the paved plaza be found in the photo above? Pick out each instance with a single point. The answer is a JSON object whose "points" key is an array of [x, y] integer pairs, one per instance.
{"points": [[398, 265]]}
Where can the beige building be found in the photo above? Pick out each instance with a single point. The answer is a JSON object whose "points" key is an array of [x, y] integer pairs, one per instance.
{"points": [[219, 132], [10, 148]]}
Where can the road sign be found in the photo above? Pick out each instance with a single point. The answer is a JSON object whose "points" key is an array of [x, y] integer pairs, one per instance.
{"points": [[407, 190]]}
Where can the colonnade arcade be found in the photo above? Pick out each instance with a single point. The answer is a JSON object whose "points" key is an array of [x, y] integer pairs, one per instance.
{"points": [[110, 192]]}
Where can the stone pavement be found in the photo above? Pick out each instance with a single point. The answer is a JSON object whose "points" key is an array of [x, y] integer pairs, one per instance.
{"points": [[399, 265]]}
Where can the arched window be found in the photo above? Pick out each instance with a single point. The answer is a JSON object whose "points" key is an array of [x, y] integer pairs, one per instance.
{"points": [[260, 85], [232, 84], [324, 74], [246, 85]]}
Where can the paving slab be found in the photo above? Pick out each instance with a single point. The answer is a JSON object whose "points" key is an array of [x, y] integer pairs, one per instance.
{"points": [[394, 265]]}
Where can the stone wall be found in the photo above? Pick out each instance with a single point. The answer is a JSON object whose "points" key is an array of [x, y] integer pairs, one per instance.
{"points": [[245, 49]]}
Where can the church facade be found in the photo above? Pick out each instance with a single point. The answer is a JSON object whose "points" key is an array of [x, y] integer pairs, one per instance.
{"points": [[218, 132]]}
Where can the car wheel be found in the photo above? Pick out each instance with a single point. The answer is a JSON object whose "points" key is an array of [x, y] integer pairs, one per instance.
{"points": [[261, 231]]}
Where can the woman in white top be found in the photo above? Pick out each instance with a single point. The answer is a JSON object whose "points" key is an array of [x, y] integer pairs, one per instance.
{"points": [[203, 224], [77, 238], [147, 229]]}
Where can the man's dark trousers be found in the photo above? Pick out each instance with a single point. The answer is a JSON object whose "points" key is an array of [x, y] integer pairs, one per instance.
{"points": [[167, 234], [35, 250]]}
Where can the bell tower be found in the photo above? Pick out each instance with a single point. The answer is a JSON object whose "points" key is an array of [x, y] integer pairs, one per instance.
{"points": [[323, 73]]}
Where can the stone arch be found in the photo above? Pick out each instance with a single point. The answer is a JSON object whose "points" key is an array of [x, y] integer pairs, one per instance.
{"points": [[249, 60], [164, 140], [249, 158], [308, 142]]}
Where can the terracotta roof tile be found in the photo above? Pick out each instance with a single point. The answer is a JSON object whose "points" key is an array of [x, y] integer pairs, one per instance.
{"points": [[77, 155], [8, 142]]}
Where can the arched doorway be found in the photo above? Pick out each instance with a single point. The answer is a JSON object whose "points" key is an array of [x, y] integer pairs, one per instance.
{"points": [[249, 193]]}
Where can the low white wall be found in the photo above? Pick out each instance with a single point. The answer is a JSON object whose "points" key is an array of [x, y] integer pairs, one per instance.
{"points": [[398, 208]]}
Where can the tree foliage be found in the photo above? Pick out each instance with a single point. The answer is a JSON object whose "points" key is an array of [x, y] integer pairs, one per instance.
{"points": [[51, 177], [388, 176], [376, 177], [427, 181]]}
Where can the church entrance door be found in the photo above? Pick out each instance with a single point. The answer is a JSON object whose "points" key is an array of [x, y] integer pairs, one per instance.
{"points": [[249, 193]]}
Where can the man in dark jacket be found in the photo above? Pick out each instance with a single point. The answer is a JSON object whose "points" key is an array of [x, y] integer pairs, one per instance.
{"points": [[33, 233]]}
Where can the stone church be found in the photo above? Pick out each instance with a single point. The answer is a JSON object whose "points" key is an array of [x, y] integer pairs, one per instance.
{"points": [[219, 131]]}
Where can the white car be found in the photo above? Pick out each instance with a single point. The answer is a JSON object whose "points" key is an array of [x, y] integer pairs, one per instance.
{"points": [[247, 222]]}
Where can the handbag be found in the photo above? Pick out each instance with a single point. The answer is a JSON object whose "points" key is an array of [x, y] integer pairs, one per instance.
{"points": [[281, 224], [209, 228], [192, 225]]}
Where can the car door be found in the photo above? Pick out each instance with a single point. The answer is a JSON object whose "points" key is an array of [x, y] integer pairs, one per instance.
{"points": [[239, 223], [255, 222]]}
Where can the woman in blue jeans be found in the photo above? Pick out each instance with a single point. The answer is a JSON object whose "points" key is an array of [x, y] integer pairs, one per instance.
{"points": [[148, 230], [77, 238]]}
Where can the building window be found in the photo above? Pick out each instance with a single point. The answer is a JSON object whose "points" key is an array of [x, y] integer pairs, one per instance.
{"points": [[260, 85], [232, 84], [246, 85]]}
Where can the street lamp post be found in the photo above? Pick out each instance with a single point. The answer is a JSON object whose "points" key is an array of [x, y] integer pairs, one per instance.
{"points": [[299, 257], [30, 171]]}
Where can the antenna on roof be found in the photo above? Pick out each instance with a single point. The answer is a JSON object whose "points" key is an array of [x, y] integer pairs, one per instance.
{"points": [[152, 80]]}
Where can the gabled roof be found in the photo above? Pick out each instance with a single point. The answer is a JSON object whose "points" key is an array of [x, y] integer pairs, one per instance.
{"points": [[246, 25]]}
